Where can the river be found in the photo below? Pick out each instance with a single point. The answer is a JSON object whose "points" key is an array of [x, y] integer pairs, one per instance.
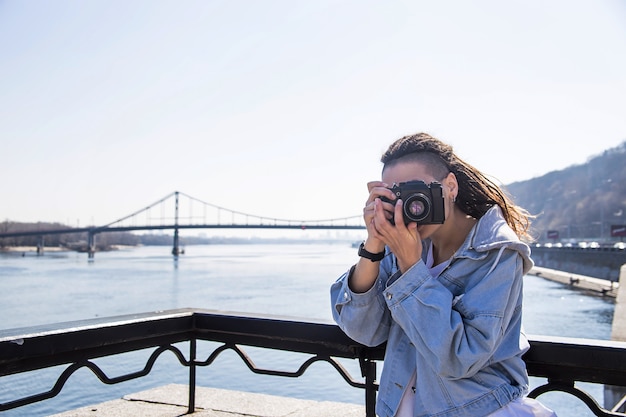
{"points": [[281, 279]]}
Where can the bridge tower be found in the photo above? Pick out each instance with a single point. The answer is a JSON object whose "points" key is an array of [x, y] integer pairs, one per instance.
{"points": [[176, 248]]}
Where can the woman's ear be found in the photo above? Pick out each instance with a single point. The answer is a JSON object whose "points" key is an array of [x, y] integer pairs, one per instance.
{"points": [[452, 185]]}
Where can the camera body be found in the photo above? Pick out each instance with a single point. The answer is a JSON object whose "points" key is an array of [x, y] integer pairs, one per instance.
{"points": [[421, 203]]}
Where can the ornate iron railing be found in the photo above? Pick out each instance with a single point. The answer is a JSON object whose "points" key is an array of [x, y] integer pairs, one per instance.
{"points": [[562, 361]]}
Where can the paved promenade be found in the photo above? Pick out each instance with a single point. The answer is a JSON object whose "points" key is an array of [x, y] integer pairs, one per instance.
{"points": [[597, 286], [171, 401]]}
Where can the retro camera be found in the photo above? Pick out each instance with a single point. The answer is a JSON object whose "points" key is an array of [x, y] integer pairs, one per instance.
{"points": [[421, 202]]}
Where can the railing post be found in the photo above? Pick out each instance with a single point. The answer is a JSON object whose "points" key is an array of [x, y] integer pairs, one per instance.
{"points": [[192, 375], [368, 371]]}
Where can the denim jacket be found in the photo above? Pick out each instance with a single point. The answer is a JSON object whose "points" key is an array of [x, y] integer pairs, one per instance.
{"points": [[460, 332]]}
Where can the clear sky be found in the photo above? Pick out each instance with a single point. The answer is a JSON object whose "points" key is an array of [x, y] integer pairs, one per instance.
{"points": [[282, 108]]}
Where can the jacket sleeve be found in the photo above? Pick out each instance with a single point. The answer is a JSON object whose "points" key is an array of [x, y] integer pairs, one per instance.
{"points": [[364, 317], [459, 335]]}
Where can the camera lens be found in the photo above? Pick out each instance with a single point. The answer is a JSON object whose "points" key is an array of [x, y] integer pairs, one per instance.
{"points": [[417, 207]]}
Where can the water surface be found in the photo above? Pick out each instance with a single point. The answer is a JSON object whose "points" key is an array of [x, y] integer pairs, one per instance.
{"points": [[287, 279]]}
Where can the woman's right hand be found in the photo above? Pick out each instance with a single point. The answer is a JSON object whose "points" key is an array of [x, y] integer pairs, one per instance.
{"points": [[365, 272], [377, 189]]}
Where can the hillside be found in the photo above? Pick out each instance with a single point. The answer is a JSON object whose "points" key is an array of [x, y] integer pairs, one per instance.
{"points": [[580, 202]]}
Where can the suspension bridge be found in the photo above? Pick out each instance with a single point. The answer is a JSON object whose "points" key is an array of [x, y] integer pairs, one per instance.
{"points": [[178, 211]]}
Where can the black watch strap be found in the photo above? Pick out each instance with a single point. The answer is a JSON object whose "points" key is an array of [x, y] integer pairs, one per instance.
{"points": [[374, 257]]}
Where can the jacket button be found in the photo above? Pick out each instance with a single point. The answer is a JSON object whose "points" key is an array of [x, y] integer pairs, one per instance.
{"points": [[389, 296]]}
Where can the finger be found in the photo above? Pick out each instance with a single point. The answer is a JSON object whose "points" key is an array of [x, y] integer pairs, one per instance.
{"points": [[375, 184], [389, 208], [380, 189], [381, 216], [385, 205], [368, 212], [398, 217]]}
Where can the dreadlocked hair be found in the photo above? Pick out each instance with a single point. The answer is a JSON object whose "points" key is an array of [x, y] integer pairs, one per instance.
{"points": [[477, 193]]}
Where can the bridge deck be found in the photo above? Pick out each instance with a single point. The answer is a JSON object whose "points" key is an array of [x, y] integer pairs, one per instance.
{"points": [[171, 401]]}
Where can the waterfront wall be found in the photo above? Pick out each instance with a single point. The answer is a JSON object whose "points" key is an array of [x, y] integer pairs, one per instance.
{"points": [[613, 394], [618, 330], [597, 286], [602, 263]]}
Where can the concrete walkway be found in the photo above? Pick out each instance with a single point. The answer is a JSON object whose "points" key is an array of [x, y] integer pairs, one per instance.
{"points": [[171, 401], [582, 282]]}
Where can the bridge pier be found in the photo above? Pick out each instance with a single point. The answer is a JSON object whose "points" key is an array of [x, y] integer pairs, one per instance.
{"points": [[91, 245], [40, 245], [176, 248]]}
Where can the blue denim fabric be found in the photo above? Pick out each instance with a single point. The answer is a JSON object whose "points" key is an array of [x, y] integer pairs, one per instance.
{"points": [[461, 332]]}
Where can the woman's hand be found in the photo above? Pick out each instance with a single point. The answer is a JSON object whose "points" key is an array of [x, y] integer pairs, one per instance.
{"points": [[365, 271], [376, 190], [403, 240]]}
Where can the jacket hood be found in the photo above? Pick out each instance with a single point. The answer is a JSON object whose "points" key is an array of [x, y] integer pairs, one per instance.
{"points": [[492, 232]]}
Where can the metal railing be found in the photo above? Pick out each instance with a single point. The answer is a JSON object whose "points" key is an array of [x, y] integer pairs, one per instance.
{"points": [[563, 361]]}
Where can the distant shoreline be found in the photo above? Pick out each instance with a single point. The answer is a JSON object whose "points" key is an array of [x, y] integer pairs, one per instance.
{"points": [[33, 249], [29, 249]]}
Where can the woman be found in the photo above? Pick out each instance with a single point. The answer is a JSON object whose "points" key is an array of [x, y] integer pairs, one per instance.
{"points": [[444, 293]]}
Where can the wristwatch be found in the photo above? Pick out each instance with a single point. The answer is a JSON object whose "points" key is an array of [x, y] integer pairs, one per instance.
{"points": [[374, 257]]}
